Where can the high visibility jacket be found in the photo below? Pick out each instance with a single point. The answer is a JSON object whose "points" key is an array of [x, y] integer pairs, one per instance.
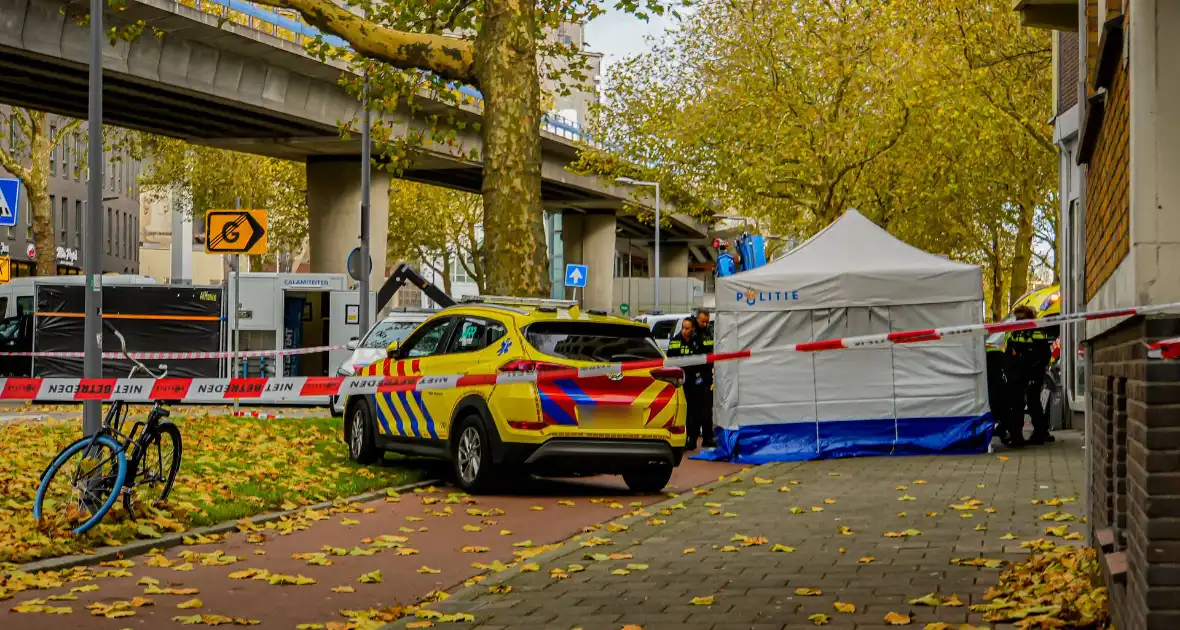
{"points": [[698, 344], [1028, 344], [679, 347]]}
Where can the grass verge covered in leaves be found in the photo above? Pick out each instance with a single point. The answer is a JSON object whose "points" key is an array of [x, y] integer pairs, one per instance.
{"points": [[231, 468]]}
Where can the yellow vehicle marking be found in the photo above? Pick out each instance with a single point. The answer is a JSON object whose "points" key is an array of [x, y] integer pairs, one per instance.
{"points": [[385, 409]]}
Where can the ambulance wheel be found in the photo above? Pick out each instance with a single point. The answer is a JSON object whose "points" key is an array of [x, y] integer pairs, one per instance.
{"points": [[648, 481], [471, 455], [362, 448]]}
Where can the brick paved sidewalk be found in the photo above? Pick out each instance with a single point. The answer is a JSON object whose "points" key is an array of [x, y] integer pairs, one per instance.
{"points": [[754, 585]]}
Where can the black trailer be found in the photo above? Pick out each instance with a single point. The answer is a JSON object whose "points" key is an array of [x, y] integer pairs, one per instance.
{"points": [[153, 318]]}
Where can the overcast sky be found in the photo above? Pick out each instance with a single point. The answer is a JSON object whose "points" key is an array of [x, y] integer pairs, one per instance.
{"points": [[618, 34]]}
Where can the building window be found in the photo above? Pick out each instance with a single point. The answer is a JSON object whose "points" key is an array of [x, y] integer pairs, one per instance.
{"points": [[77, 224], [459, 273], [78, 158], [109, 216], [65, 220], [52, 152]]}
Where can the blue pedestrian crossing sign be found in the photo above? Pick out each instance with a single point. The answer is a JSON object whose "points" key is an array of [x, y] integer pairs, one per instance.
{"points": [[575, 276], [9, 200]]}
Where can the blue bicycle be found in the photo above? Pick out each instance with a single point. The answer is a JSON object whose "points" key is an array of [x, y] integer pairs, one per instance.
{"points": [[83, 482]]}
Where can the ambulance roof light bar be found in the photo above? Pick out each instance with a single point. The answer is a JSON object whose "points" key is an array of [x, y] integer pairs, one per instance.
{"points": [[518, 301]]}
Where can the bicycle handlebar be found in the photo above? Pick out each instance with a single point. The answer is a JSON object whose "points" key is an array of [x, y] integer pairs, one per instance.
{"points": [[127, 355]]}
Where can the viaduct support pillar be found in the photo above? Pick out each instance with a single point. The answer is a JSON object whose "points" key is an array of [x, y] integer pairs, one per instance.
{"points": [[334, 215], [589, 239]]}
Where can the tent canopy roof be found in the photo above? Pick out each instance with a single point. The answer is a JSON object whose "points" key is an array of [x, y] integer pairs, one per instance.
{"points": [[851, 262]]}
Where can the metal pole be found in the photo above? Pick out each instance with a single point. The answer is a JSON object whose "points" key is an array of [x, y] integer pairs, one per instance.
{"points": [[237, 309], [1087, 449], [91, 251], [658, 270], [366, 165]]}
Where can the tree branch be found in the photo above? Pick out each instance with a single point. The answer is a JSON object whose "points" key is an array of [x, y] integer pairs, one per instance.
{"points": [[7, 159], [449, 57], [71, 126]]}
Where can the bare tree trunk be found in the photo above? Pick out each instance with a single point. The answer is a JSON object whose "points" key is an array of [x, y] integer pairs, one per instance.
{"points": [[37, 186], [1022, 252], [514, 228], [999, 307], [446, 273]]}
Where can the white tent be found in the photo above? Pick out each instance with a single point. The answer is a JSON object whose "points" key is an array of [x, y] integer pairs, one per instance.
{"points": [[853, 278]]}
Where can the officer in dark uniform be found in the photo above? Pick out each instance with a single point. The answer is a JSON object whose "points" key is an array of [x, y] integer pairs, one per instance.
{"points": [[997, 386], [704, 339], [684, 344], [1028, 353]]}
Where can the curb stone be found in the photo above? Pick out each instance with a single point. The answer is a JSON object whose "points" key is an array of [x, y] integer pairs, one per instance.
{"points": [[140, 547], [465, 597]]}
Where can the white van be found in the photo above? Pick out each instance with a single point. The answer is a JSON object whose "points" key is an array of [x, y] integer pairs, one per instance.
{"points": [[393, 327], [663, 326]]}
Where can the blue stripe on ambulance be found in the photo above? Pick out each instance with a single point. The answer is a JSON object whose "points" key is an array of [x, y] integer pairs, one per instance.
{"points": [[410, 413], [426, 415]]}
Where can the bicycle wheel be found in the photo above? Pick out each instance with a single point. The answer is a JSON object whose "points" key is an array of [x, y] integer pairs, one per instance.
{"points": [[81, 484], [154, 468]]}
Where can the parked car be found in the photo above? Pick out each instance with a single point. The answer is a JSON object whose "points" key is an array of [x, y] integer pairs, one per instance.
{"points": [[630, 424], [393, 327], [663, 326]]}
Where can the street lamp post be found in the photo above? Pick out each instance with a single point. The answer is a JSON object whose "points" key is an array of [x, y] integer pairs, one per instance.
{"points": [[91, 256], [656, 185]]}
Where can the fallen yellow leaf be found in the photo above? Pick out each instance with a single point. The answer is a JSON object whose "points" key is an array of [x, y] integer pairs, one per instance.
{"points": [[897, 619], [818, 619], [808, 592], [844, 607], [192, 603], [702, 601]]}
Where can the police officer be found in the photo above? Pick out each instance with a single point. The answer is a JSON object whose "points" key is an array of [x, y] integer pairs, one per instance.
{"points": [[695, 390], [704, 339], [1038, 368], [997, 386], [1027, 353]]}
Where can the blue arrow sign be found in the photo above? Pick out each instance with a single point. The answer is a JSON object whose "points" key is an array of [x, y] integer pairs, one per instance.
{"points": [[9, 200], [575, 275]]}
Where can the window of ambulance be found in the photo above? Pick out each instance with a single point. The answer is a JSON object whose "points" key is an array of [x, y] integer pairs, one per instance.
{"points": [[595, 343], [385, 333]]}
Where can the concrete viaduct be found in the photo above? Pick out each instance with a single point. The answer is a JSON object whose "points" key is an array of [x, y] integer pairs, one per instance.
{"points": [[249, 87]]}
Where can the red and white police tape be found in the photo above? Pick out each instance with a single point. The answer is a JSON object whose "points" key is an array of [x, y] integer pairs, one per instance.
{"points": [[241, 354], [286, 388], [1166, 349]]}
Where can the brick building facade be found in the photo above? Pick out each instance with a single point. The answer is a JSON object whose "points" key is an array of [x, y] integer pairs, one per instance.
{"points": [[1126, 227]]}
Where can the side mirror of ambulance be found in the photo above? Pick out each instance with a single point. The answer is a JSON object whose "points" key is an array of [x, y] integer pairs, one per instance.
{"points": [[352, 343], [391, 350]]}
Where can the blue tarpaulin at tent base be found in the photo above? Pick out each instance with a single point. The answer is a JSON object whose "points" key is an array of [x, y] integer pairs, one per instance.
{"points": [[804, 441]]}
